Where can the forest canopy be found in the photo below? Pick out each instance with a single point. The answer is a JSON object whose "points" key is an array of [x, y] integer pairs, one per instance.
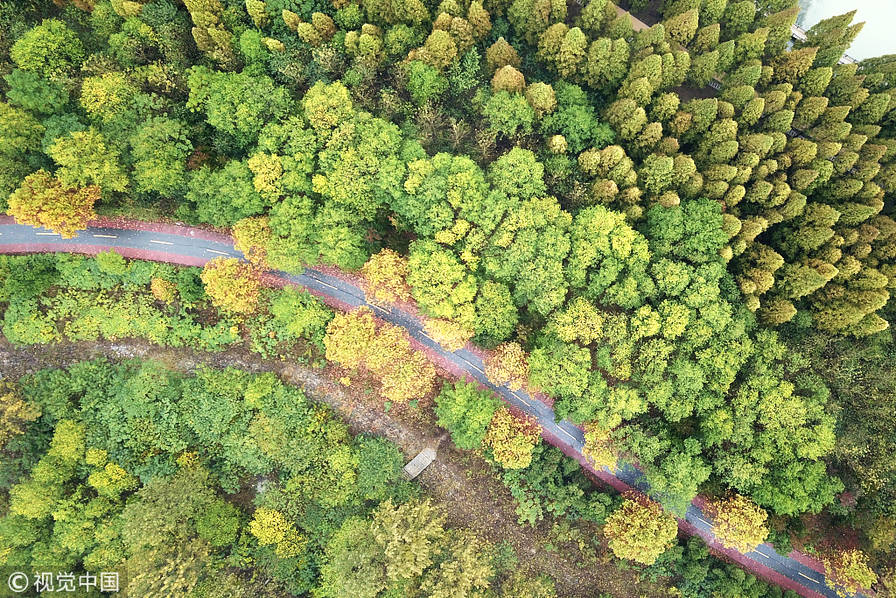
{"points": [[677, 231]]}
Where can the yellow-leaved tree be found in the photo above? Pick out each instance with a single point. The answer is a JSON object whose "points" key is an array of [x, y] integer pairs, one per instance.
{"points": [[271, 527], [512, 439], [508, 365], [355, 339], [739, 523], [251, 236], [232, 285], [385, 273], [42, 200], [451, 335], [598, 447], [847, 572], [15, 413], [639, 530]]}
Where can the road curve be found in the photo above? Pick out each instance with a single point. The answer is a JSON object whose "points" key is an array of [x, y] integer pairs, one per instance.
{"points": [[191, 246]]}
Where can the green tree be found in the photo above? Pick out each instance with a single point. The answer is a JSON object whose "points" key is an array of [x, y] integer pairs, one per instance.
{"points": [[832, 37], [354, 564], [224, 196], [682, 27], [380, 469], [237, 104], [326, 105], [396, 11], [86, 159], [496, 314], [465, 411], [159, 150], [35, 93], [576, 120], [156, 528], [20, 143], [737, 18], [790, 66], [608, 259], [463, 571], [442, 285], [409, 536], [219, 523], [50, 49], [299, 314], [425, 82], [521, 584], [361, 169], [509, 114]]}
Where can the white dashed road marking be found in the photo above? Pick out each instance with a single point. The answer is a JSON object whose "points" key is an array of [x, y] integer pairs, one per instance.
{"points": [[164, 242], [524, 401], [806, 576], [46, 233], [105, 236], [328, 285], [474, 367], [318, 280]]}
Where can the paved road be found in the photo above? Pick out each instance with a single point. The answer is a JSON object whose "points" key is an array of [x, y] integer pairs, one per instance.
{"points": [[194, 247]]}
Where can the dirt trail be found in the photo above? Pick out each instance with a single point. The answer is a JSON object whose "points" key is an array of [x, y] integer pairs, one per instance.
{"points": [[460, 481]]}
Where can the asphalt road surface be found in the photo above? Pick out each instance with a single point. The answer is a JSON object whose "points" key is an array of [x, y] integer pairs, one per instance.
{"points": [[18, 238]]}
